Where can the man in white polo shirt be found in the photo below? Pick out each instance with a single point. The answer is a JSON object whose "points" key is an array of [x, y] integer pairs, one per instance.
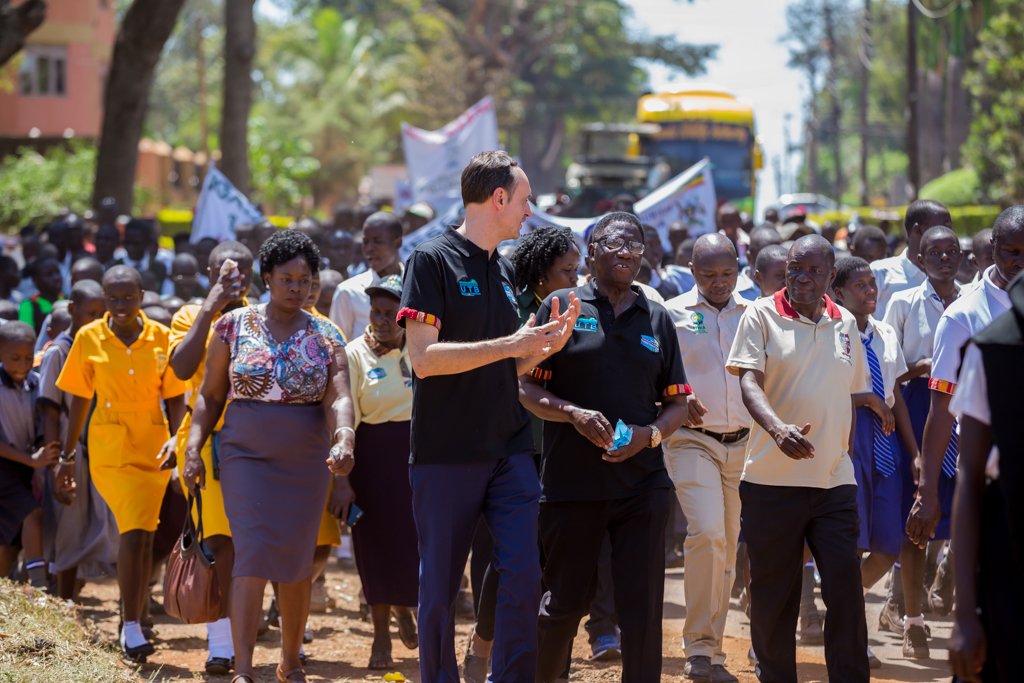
{"points": [[799, 358], [964, 318], [705, 460], [901, 272], [382, 238]]}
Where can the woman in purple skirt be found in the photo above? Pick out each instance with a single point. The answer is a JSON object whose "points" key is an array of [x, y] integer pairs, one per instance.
{"points": [[385, 537], [285, 374]]}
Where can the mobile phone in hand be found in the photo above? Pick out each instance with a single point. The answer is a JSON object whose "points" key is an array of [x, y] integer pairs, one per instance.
{"points": [[355, 513]]}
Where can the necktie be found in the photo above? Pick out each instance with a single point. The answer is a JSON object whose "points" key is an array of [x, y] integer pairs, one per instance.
{"points": [[949, 459], [885, 461]]}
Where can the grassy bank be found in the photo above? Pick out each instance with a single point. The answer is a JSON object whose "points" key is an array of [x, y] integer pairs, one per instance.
{"points": [[40, 640]]}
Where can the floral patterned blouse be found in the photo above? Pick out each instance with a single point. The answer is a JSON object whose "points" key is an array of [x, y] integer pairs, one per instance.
{"points": [[263, 369]]}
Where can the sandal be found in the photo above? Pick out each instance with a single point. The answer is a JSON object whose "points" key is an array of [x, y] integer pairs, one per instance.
{"points": [[407, 630], [380, 660], [296, 675]]}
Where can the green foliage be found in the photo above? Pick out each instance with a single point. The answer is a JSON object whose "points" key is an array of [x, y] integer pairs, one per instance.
{"points": [[282, 165], [37, 187], [996, 144], [956, 188]]}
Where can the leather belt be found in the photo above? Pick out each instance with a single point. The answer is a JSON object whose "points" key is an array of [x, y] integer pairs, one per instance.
{"points": [[728, 437]]}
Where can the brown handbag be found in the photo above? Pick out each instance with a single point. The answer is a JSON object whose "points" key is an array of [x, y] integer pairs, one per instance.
{"points": [[191, 591]]}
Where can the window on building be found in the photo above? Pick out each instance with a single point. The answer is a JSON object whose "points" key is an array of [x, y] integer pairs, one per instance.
{"points": [[44, 70]]}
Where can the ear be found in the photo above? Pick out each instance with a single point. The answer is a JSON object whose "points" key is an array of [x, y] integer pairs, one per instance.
{"points": [[919, 260]]}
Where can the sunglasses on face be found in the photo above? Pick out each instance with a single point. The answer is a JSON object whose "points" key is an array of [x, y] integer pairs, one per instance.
{"points": [[616, 243]]}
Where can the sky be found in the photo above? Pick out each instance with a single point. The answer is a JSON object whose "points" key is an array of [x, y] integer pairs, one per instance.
{"points": [[751, 63]]}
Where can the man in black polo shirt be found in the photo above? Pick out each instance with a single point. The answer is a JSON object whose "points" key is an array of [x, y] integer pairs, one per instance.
{"points": [[621, 363], [472, 449]]}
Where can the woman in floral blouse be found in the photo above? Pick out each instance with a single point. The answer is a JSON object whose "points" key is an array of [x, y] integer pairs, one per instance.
{"points": [[286, 374]]}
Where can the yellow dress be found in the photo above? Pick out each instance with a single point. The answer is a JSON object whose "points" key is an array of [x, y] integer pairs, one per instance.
{"points": [[128, 426], [215, 521], [330, 529]]}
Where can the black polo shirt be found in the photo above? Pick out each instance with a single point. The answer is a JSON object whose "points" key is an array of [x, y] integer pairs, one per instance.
{"points": [[621, 367], [468, 295]]}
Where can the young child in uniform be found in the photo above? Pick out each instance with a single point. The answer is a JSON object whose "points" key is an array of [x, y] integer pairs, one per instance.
{"points": [[882, 427], [21, 517], [122, 360], [83, 538], [914, 314], [770, 269], [49, 283]]}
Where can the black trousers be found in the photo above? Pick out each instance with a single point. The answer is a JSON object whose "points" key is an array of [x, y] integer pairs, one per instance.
{"points": [[572, 534], [776, 520]]}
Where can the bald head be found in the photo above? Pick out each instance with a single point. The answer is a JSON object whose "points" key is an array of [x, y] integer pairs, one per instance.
{"points": [[712, 246], [760, 237], [1010, 220], [935, 234], [229, 249], [119, 274], [84, 290], [16, 331], [813, 245]]}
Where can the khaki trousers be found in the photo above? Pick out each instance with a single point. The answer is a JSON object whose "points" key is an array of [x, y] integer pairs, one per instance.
{"points": [[706, 474]]}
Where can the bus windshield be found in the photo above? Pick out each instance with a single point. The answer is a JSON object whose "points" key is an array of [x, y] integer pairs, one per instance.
{"points": [[731, 164]]}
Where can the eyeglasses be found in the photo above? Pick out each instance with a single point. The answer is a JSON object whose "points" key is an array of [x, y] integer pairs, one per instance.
{"points": [[616, 243]]}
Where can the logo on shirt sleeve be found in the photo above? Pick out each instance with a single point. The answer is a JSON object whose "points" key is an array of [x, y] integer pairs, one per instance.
{"points": [[511, 296], [845, 347], [650, 343], [585, 325], [469, 287]]}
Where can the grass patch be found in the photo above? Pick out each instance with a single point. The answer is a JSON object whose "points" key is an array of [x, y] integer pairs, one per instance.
{"points": [[41, 640]]}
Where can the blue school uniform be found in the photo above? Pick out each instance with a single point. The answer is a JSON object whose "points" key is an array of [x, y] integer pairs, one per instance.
{"points": [[17, 428]]}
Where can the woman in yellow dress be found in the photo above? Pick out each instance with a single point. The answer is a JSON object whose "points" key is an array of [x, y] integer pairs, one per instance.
{"points": [[121, 359]]}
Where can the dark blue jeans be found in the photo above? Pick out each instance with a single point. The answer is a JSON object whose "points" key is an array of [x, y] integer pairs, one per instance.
{"points": [[447, 502]]}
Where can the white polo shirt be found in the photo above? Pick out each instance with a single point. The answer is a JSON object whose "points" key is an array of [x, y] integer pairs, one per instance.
{"points": [[914, 314], [895, 274], [965, 317], [971, 399], [350, 307], [887, 349], [705, 337], [810, 370]]}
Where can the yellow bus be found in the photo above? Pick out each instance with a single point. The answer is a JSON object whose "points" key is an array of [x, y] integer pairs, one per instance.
{"points": [[704, 122]]}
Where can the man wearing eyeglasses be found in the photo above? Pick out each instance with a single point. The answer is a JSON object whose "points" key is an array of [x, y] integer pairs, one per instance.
{"points": [[621, 364]]}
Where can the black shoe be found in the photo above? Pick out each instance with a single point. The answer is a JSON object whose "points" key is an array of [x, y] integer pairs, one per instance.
{"points": [[273, 615], [220, 666], [698, 669], [719, 674], [811, 631], [137, 654], [940, 597]]}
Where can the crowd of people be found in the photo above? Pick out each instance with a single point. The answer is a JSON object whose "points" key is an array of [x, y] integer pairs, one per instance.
{"points": [[547, 403]]}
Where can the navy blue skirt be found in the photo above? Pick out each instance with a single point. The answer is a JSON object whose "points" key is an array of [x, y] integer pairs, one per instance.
{"points": [[918, 398], [879, 498]]}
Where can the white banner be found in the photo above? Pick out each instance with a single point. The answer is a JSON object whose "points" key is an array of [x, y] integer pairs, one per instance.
{"points": [[435, 158], [220, 208], [688, 198]]}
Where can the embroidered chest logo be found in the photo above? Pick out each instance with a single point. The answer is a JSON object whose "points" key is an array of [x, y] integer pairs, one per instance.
{"points": [[697, 320], [376, 374], [469, 287], [585, 325], [845, 347], [650, 343]]}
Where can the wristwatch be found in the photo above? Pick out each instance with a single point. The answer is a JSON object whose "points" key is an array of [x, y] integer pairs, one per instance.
{"points": [[655, 435], [68, 458]]}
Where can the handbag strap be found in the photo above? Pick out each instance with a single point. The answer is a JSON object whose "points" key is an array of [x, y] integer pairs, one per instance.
{"points": [[196, 498]]}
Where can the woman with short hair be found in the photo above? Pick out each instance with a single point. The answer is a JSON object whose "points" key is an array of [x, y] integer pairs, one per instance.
{"points": [[286, 374]]}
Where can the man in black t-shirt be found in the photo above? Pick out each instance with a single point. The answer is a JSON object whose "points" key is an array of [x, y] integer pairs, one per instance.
{"points": [[472, 450]]}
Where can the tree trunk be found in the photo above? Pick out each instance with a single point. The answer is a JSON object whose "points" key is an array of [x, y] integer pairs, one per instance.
{"points": [[913, 159], [15, 25], [865, 86], [834, 111], [958, 115], [140, 39], [239, 51]]}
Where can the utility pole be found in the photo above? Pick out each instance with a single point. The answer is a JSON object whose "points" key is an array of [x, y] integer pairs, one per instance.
{"points": [[913, 156], [833, 91], [865, 86]]}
